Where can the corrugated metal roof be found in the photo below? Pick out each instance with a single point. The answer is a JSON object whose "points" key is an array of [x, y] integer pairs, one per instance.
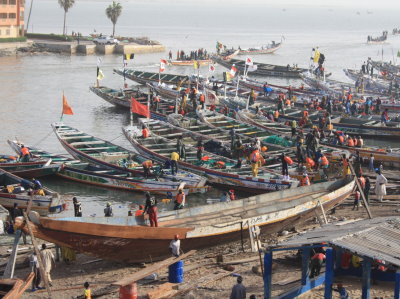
{"points": [[377, 238]]}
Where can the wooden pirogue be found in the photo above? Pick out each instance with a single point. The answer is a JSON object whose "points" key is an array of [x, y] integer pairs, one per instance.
{"points": [[33, 169], [218, 169], [14, 288], [12, 192], [108, 155], [122, 239], [101, 176]]}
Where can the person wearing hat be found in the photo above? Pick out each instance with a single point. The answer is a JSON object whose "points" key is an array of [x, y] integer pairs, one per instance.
{"points": [[108, 212], [238, 290], [180, 200], [175, 246], [77, 207]]}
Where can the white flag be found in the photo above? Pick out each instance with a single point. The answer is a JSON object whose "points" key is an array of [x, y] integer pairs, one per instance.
{"points": [[252, 68], [163, 63]]}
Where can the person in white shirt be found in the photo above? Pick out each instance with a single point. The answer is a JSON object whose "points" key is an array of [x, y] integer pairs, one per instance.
{"points": [[175, 246]]}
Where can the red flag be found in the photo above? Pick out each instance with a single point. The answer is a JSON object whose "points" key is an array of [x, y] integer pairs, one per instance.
{"points": [[140, 108], [249, 61], [163, 63], [211, 68], [233, 70], [66, 107]]}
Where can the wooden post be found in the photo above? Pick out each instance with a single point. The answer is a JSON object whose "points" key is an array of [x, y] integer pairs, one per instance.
{"points": [[267, 274], [328, 273], [366, 278], [361, 192], [9, 271], [318, 218], [397, 285], [258, 249], [323, 211], [36, 249]]}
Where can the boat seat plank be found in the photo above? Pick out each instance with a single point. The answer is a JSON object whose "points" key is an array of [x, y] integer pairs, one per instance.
{"points": [[86, 143], [75, 137], [96, 148]]}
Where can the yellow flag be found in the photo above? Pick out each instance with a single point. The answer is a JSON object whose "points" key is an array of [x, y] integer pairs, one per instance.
{"points": [[316, 56], [195, 65], [100, 75]]}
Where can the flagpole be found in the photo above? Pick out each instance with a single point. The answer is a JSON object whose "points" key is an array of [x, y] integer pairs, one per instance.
{"points": [[62, 110], [198, 74], [131, 114], [148, 105]]}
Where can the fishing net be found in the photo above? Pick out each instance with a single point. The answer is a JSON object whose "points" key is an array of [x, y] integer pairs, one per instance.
{"points": [[274, 139]]}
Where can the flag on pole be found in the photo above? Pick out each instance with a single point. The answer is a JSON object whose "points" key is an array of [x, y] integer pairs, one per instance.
{"points": [[195, 64], [66, 107], [100, 75], [211, 68], [249, 61], [233, 70], [316, 56], [139, 108], [163, 63], [129, 56], [227, 76], [252, 68]]}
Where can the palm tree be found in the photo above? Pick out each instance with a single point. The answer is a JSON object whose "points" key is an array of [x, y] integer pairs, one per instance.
{"points": [[113, 12], [66, 5]]}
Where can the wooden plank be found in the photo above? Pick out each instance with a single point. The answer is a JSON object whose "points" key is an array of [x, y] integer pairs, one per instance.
{"points": [[151, 269], [166, 289]]}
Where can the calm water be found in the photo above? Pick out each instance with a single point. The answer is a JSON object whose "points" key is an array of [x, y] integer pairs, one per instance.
{"points": [[32, 86]]}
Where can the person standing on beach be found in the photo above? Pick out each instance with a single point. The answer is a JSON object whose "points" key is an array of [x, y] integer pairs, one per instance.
{"points": [[151, 209], [33, 260], [238, 290], [175, 246], [77, 207], [87, 292], [48, 262], [367, 188], [380, 185]]}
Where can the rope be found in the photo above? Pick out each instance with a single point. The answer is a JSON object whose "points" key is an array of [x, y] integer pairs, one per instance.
{"points": [[116, 137], [41, 140]]}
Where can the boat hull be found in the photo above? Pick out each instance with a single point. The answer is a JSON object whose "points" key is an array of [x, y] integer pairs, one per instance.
{"points": [[146, 244]]}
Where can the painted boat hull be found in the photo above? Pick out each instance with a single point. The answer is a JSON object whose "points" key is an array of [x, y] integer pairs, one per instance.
{"points": [[128, 243], [189, 62]]}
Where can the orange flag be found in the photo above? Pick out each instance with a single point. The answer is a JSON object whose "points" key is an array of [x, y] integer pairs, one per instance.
{"points": [[66, 107]]}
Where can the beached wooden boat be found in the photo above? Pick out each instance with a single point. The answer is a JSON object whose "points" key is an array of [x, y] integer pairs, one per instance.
{"points": [[388, 67], [11, 192], [264, 49], [263, 69], [14, 288], [189, 62], [122, 239], [160, 148], [147, 77], [31, 169], [108, 155], [97, 175]]}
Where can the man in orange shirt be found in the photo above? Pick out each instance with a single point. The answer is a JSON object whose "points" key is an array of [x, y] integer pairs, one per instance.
{"points": [[147, 166]]}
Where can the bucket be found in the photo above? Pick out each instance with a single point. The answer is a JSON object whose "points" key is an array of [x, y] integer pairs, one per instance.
{"points": [[128, 291], [175, 272]]}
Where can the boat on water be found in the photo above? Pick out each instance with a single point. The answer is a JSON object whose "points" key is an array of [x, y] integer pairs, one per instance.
{"points": [[147, 77], [370, 83], [190, 62], [14, 288], [33, 169], [12, 191], [263, 69], [218, 169], [264, 49], [378, 40], [123, 239], [96, 151], [385, 156], [388, 67]]}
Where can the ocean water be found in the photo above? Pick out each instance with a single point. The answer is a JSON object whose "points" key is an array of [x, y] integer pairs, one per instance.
{"points": [[32, 85]]}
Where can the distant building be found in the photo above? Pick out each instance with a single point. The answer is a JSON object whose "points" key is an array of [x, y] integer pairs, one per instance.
{"points": [[12, 18]]}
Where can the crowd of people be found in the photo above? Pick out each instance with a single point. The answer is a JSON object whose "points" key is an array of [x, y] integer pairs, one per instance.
{"points": [[199, 54]]}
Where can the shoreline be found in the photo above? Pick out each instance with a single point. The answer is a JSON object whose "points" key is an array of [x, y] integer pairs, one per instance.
{"points": [[33, 46]]}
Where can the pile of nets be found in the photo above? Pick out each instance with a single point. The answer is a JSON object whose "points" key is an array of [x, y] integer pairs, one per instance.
{"points": [[278, 140]]}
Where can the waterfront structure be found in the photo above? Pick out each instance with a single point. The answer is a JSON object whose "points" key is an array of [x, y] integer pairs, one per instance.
{"points": [[12, 18]]}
